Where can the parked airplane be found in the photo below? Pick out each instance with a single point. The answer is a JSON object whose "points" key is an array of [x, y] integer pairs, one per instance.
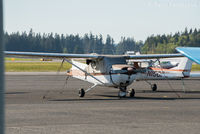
{"points": [[113, 70]]}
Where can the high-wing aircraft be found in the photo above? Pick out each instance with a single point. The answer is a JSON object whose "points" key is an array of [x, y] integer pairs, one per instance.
{"points": [[114, 70]]}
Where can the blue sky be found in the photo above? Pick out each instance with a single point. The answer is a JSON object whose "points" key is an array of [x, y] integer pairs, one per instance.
{"points": [[129, 18]]}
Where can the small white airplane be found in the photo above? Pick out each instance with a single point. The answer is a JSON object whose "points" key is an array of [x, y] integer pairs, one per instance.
{"points": [[114, 70]]}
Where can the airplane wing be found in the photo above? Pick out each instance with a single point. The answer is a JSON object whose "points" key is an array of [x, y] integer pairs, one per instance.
{"points": [[190, 52], [90, 56], [193, 53], [154, 56], [51, 55]]}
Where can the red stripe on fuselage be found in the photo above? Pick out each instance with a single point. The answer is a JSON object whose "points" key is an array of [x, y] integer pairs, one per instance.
{"points": [[162, 69]]}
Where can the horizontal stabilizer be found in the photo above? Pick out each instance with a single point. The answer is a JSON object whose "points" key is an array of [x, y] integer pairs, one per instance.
{"points": [[193, 53], [195, 74]]}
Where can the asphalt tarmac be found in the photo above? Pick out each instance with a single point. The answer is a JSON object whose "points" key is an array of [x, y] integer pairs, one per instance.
{"points": [[46, 104]]}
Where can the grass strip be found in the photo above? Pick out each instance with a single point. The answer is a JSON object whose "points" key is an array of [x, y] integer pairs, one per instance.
{"points": [[195, 67], [35, 66], [21, 59]]}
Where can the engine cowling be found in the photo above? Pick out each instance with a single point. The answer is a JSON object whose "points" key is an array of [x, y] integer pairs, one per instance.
{"points": [[122, 75]]}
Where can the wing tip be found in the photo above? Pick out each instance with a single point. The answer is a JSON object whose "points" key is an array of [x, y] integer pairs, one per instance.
{"points": [[190, 52]]}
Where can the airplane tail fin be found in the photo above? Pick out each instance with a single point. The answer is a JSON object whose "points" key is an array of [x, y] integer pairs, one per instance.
{"points": [[184, 65], [191, 53]]}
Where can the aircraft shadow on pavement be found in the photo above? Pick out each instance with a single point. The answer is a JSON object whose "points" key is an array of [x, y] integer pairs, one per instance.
{"points": [[82, 99], [151, 97], [116, 98], [169, 91], [16, 92], [167, 98]]}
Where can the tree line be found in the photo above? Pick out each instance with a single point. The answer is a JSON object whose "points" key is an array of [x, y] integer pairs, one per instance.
{"points": [[55, 43], [89, 43], [168, 43]]}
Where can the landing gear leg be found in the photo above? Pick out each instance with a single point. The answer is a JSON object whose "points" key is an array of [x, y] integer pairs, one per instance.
{"points": [[82, 92], [122, 92]]}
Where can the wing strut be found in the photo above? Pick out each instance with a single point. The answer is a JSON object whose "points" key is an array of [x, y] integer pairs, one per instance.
{"points": [[167, 79]]}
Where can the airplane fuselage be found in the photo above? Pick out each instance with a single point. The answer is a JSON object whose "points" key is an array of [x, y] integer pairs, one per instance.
{"points": [[114, 72]]}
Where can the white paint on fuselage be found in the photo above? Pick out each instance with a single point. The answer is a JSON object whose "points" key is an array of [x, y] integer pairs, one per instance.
{"points": [[116, 80]]}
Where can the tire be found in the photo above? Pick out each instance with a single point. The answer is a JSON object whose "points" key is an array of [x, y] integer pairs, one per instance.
{"points": [[132, 93], [81, 92], [122, 94], [154, 87]]}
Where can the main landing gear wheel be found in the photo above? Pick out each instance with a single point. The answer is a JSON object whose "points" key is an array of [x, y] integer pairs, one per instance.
{"points": [[154, 87], [81, 92], [132, 93]]}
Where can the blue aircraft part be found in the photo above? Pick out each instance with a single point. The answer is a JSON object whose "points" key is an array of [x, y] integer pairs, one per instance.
{"points": [[193, 53]]}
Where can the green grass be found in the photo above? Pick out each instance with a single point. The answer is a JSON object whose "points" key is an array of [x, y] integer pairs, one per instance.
{"points": [[35, 66], [20, 59], [195, 67]]}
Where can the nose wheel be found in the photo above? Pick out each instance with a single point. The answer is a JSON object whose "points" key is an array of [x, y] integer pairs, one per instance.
{"points": [[122, 92], [81, 92]]}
